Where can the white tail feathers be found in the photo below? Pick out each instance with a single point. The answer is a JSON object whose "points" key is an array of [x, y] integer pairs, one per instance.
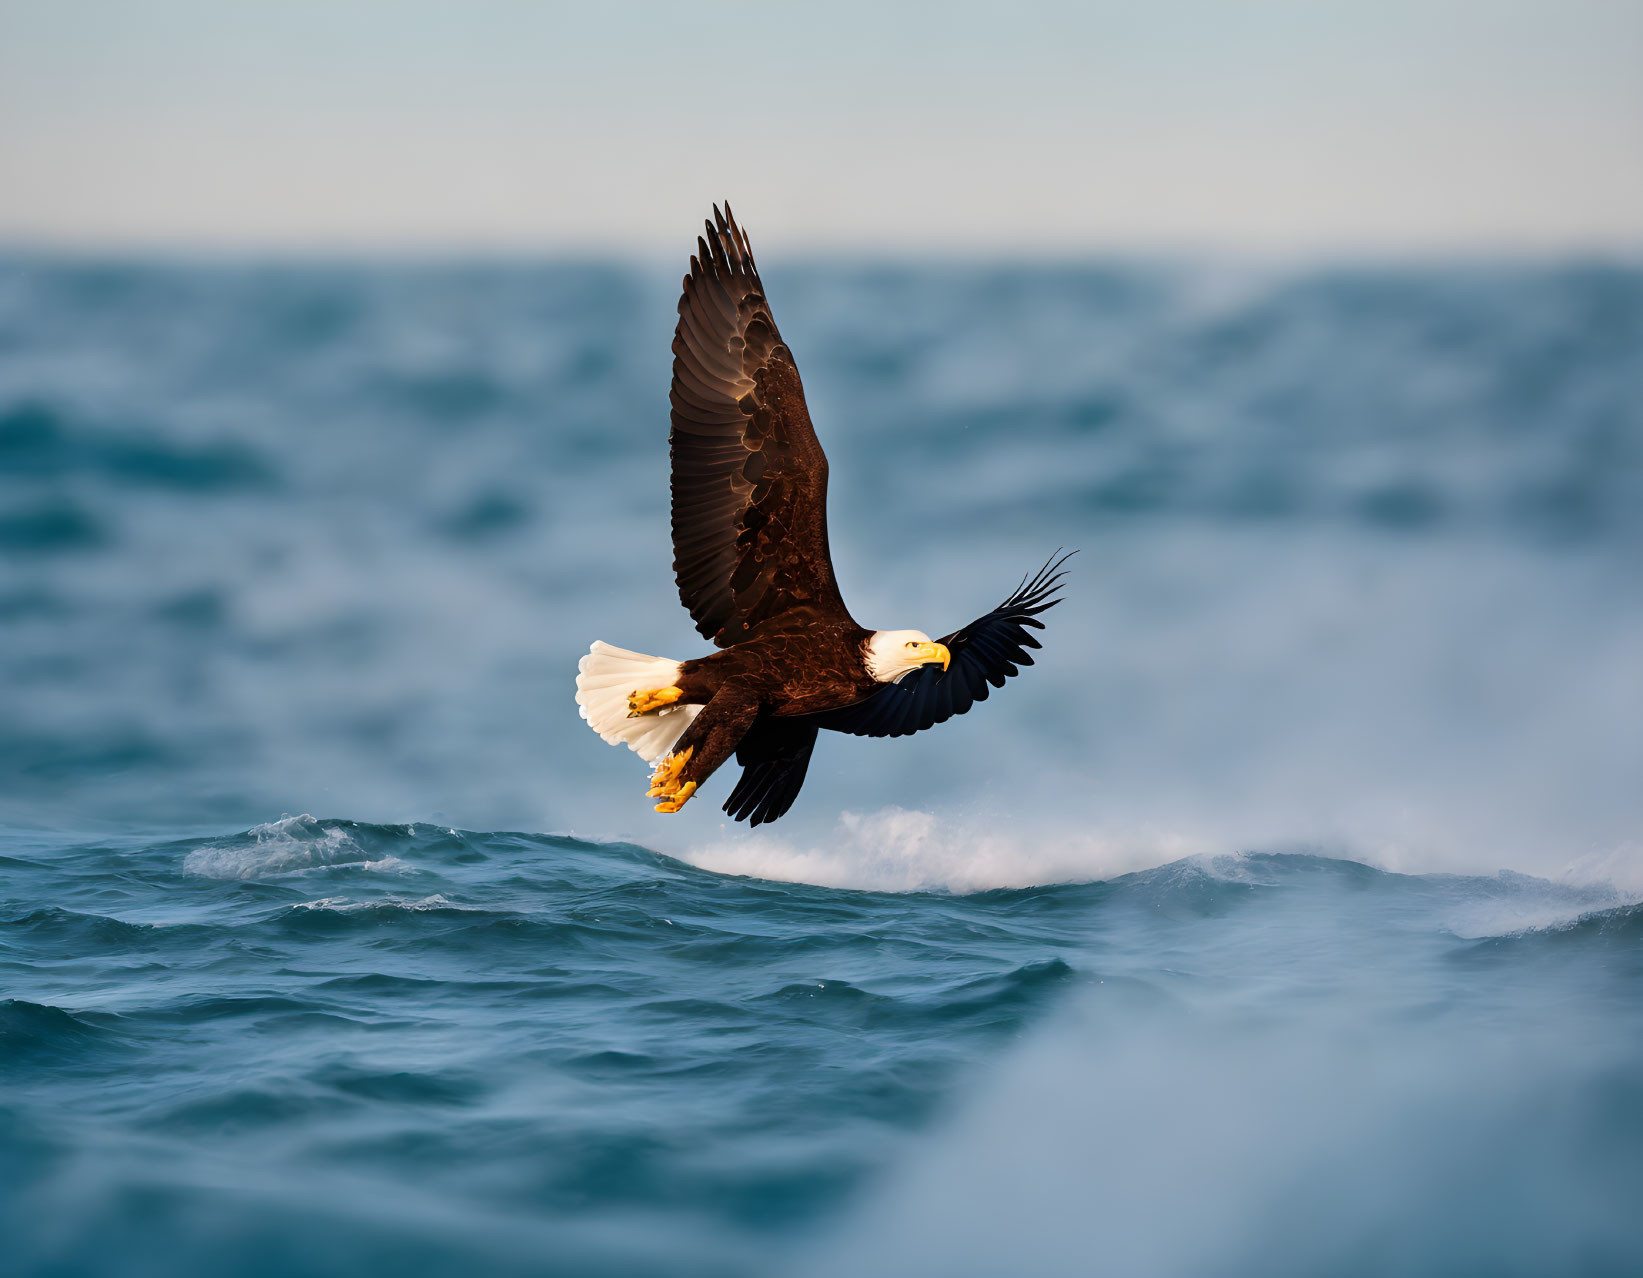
{"points": [[604, 680]]}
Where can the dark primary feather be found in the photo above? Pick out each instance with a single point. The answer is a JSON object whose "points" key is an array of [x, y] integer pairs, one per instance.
{"points": [[774, 756], [749, 478], [984, 654]]}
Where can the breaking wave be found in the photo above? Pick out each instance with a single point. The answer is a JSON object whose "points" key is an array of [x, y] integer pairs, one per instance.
{"points": [[897, 850], [287, 846]]}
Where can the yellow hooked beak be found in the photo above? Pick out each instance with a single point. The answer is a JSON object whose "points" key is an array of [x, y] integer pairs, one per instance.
{"points": [[928, 653]]}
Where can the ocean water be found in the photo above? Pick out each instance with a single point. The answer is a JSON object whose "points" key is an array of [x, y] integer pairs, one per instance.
{"points": [[1284, 919]]}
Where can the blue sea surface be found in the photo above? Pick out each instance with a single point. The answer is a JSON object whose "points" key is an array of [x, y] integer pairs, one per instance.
{"points": [[1285, 919]]}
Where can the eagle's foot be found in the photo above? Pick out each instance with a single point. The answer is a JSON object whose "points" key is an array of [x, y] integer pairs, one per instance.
{"points": [[650, 700], [664, 782], [678, 799]]}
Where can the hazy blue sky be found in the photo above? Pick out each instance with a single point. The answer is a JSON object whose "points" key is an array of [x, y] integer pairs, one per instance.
{"points": [[1279, 124]]}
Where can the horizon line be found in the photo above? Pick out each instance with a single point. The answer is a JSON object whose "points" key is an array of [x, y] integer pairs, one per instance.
{"points": [[935, 250]]}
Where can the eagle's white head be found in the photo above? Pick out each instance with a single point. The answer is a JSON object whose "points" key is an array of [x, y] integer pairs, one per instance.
{"points": [[894, 653]]}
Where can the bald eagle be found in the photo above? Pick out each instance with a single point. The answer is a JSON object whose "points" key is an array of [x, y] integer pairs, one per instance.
{"points": [[754, 571]]}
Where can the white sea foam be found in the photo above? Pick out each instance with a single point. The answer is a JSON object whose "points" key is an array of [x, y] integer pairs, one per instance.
{"points": [[1619, 867], [896, 850], [899, 850], [346, 905], [287, 846], [1597, 881]]}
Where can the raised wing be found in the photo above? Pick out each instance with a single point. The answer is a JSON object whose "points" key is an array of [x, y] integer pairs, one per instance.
{"points": [[774, 755], [749, 478], [984, 654]]}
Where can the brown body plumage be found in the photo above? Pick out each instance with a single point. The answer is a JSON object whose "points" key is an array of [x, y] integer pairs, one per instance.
{"points": [[754, 570], [791, 669]]}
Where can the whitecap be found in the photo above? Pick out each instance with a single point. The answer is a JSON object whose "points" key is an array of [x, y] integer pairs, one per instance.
{"points": [[346, 905], [897, 850], [287, 846], [1542, 907]]}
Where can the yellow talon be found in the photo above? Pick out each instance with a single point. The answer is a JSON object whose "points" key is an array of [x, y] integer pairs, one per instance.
{"points": [[649, 700], [679, 798], [665, 780]]}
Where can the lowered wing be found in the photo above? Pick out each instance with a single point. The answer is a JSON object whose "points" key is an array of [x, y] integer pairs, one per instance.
{"points": [[775, 754]]}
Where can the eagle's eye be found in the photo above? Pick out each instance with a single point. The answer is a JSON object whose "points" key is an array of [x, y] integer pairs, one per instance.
{"points": [[911, 643]]}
